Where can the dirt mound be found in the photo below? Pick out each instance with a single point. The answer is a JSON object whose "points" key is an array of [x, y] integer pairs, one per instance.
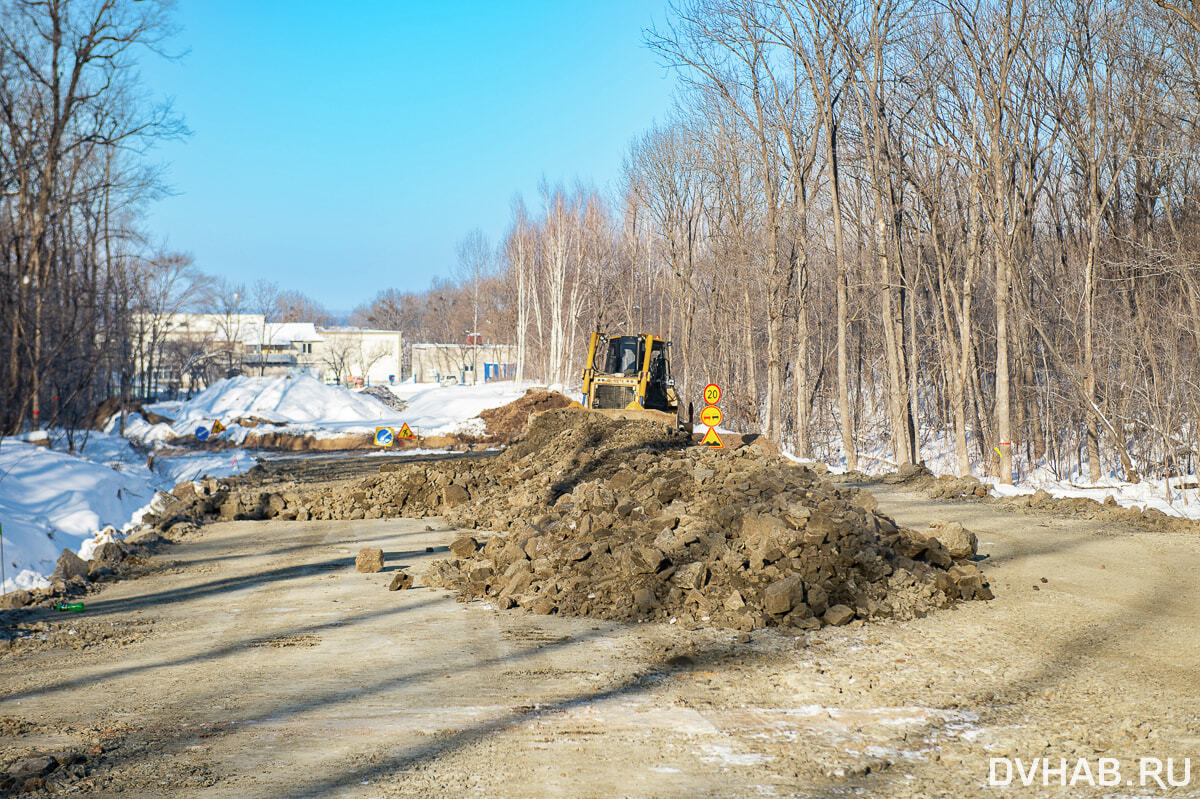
{"points": [[511, 419], [627, 520]]}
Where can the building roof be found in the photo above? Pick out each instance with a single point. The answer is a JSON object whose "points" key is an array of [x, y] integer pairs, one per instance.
{"points": [[460, 346], [355, 330]]}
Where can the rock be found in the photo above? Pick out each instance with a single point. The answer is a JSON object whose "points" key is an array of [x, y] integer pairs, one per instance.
{"points": [[69, 566], [455, 495], [16, 599], [962, 544], [32, 767], [369, 560], [969, 580], [865, 500], [838, 615], [400, 581], [108, 554], [783, 595], [643, 600], [464, 547]]}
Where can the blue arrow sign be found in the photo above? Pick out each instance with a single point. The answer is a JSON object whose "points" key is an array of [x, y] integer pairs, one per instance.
{"points": [[201, 433], [383, 436]]}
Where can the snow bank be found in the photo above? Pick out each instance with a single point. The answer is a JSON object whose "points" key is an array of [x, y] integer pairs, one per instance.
{"points": [[52, 500], [302, 405], [445, 410], [939, 456], [1145, 495]]}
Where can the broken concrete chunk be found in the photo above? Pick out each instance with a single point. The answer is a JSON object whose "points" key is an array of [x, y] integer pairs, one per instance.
{"points": [[839, 615], [369, 560], [464, 547], [401, 581], [960, 543]]}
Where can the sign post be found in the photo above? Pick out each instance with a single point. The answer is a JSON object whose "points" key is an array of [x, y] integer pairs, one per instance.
{"points": [[711, 416]]}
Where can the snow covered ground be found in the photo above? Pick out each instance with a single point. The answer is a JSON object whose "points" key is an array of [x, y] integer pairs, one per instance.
{"points": [[938, 455], [443, 410], [304, 406], [52, 500]]}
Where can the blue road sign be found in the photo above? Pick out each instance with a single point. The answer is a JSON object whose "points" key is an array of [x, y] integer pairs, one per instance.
{"points": [[201, 433], [383, 436]]}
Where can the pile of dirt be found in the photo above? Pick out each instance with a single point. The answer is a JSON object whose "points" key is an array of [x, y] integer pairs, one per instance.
{"points": [[511, 420], [627, 519]]}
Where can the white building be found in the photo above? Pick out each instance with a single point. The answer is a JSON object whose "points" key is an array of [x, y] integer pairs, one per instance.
{"points": [[464, 364], [190, 347], [360, 356]]}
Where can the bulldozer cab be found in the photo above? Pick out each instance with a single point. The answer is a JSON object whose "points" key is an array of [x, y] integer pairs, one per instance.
{"points": [[629, 372]]}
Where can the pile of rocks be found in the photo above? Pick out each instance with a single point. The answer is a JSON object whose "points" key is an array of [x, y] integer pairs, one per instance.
{"points": [[626, 520]]}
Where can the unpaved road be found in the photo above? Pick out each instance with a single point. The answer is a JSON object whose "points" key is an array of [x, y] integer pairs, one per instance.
{"points": [[265, 666]]}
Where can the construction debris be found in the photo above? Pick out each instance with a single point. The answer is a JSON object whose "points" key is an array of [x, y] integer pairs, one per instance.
{"points": [[625, 520], [369, 560], [510, 420]]}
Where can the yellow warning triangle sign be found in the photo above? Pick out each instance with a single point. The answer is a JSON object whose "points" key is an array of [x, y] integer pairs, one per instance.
{"points": [[218, 427], [711, 439], [405, 432]]}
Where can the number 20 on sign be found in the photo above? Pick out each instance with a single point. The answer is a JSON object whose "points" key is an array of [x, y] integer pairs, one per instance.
{"points": [[712, 394]]}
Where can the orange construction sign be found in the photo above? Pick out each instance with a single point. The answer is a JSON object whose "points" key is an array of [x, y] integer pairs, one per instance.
{"points": [[218, 427], [405, 431], [711, 439]]}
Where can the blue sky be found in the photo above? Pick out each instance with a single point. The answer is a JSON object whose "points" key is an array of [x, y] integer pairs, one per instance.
{"points": [[345, 147]]}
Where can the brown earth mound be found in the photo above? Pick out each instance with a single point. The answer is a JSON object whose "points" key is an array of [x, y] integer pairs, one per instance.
{"points": [[511, 419], [626, 520]]}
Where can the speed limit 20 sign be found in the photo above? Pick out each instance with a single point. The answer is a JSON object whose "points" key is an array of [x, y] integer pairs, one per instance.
{"points": [[712, 394]]}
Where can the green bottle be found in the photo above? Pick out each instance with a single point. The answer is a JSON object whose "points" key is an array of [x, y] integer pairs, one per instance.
{"points": [[75, 606]]}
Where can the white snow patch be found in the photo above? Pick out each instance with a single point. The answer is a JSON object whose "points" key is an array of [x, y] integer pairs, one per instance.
{"points": [[52, 500]]}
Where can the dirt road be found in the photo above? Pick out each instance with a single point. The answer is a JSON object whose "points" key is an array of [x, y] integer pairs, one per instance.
{"points": [[258, 663]]}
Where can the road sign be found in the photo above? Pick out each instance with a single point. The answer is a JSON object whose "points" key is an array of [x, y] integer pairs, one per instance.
{"points": [[218, 427], [383, 436], [712, 393], [711, 439], [201, 433], [405, 431], [711, 415]]}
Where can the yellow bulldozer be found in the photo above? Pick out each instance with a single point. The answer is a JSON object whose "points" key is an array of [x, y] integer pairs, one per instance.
{"points": [[629, 377]]}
